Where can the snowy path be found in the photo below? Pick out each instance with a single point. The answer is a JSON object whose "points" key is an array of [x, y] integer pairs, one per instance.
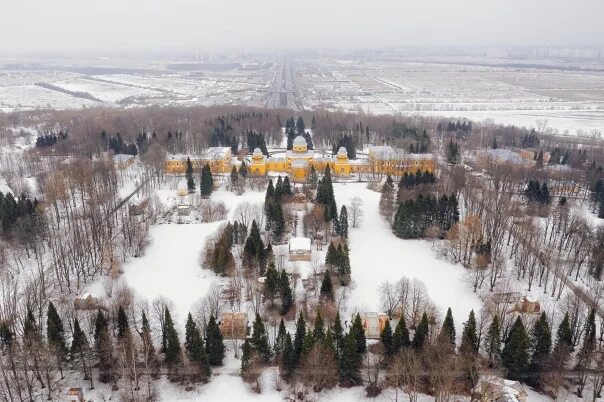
{"points": [[377, 255]]}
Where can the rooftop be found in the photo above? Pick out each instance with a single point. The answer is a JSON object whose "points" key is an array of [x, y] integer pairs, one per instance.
{"points": [[299, 244]]}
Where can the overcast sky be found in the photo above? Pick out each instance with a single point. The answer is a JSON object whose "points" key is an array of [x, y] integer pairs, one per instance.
{"points": [[105, 25]]}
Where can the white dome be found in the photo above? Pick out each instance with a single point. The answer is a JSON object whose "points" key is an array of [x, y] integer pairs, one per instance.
{"points": [[257, 151], [342, 151], [299, 140]]}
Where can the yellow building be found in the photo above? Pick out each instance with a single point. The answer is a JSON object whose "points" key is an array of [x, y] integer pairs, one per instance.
{"points": [[219, 159], [385, 160], [299, 161]]}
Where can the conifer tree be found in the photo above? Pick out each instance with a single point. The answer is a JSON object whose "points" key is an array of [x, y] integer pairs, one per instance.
{"points": [[448, 328], [288, 357], [172, 352], [285, 293], [234, 178], [314, 178], [214, 342], [387, 340], [542, 343], [207, 182], [280, 339], [319, 330], [80, 348], [78, 340], [400, 338], [421, 333], [338, 334], [515, 354], [387, 199], [299, 337], [327, 287], [309, 342], [259, 340], [189, 176], [564, 339], [246, 356], [104, 349], [147, 347], [122, 323], [469, 338], [287, 188], [344, 222], [493, 339], [350, 361], [195, 349], [55, 332], [243, 170], [358, 332]]}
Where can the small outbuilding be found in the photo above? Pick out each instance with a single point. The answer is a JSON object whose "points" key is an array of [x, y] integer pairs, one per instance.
{"points": [[234, 325], [299, 249], [75, 395], [374, 323], [86, 302]]}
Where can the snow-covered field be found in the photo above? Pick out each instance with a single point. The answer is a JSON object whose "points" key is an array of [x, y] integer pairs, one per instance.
{"points": [[377, 256]]}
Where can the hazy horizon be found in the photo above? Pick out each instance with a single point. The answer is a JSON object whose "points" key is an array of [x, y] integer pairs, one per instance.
{"points": [[74, 26]]}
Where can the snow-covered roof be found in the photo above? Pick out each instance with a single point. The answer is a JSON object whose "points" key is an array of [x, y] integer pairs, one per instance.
{"points": [[505, 155], [120, 158], [300, 140], [257, 151], [381, 151], [300, 163], [299, 244], [342, 151], [305, 154]]}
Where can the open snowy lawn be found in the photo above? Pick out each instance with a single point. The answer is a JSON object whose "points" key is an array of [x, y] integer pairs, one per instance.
{"points": [[376, 256]]}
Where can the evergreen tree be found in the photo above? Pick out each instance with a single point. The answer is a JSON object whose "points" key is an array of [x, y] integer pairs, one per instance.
{"points": [[469, 338], [122, 323], [344, 222], [246, 356], [299, 337], [104, 349], [421, 333], [288, 358], [448, 328], [207, 182], [234, 178], [214, 342], [285, 293], [327, 287], [542, 343], [314, 178], [319, 330], [325, 196], [387, 340], [400, 338], [515, 354], [350, 361], [280, 339], [287, 188], [243, 170], [190, 328], [172, 352], [259, 340], [358, 333], [338, 334], [564, 339], [197, 353], [55, 332], [78, 340], [493, 339], [387, 199]]}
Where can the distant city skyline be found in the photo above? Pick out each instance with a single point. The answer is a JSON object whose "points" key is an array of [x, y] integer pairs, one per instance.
{"points": [[75, 26]]}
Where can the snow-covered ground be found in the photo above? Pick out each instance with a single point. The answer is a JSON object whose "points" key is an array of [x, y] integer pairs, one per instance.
{"points": [[378, 256]]}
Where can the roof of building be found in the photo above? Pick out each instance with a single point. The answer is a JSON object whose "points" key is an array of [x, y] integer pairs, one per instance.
{"points": [[505, 155], [300, 163], [300, 140], [342, 151], [299, 243], [119, 158], [306, 154], [257, 151]]}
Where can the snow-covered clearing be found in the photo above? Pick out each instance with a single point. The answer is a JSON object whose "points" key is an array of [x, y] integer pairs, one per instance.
{"points": [[171, 266], [376, 256]]}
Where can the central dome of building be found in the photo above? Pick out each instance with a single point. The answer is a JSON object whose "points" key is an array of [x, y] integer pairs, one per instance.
{"points": [[299, 144]]}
